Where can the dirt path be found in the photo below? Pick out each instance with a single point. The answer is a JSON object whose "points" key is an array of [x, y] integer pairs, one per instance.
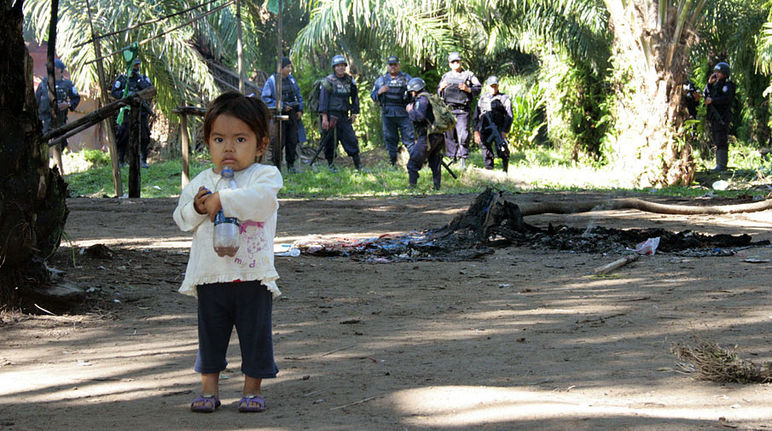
{"points": [[521, 339]]}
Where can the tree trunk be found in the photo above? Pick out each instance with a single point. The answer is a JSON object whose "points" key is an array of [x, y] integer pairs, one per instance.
{"points": [[650, 66], [32, 196]]}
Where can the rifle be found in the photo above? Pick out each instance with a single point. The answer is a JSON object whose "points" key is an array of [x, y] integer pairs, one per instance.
{"points": [[502, 146], [447, 168], [328, 134]]}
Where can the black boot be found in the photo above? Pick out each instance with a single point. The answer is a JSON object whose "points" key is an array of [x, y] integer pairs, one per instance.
{"points": [[357, 162], [505, 165], [722, 157]]}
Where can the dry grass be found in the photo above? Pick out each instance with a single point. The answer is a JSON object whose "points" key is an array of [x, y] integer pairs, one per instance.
{"points": [[718, 364]]}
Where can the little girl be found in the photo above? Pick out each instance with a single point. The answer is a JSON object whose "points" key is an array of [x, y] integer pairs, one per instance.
{"points": [[233, 290]]}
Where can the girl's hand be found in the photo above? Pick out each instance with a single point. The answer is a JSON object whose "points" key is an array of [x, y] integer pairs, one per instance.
{"points": [[198, 201], [212, 205]]}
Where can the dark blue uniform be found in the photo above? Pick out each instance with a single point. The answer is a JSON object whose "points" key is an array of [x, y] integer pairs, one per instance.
{"points": [[292, 130], [136, 82], [719, 111], [426, 146], [457, 141], [393, 115], [339, 99], [65, 92], [498, 109]]}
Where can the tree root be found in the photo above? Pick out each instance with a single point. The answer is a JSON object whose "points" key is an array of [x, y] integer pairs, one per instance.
{"points": [[641, 205]]}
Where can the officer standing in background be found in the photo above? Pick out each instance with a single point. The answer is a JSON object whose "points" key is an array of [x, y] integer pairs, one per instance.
{"points": [[719, 96], [292, 130], [426, 146], [339, 107], [67, 98], [390, 90], [136, 83], [493, 115], [458, 88]]}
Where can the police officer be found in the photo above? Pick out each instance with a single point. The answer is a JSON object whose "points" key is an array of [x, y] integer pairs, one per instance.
{"points": [[458, 88], [390, 91], [136, 83], [426, 146], [67, 99], [339, 107], [719, 96], [292, 130], [493, 115]]}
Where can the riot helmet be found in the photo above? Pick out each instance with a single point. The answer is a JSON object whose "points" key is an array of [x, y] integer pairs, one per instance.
{"points": [[416, 84], [59, 64], [338, 59], [722, 67]]}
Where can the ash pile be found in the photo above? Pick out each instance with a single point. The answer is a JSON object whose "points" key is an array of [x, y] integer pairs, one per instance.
{"points": [[492, 222]]}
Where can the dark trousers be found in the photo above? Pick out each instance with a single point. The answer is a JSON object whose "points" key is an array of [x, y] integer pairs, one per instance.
{"points": [[457, 140], [393, 127], [426, 148], [345, 135], [289, 137], [122, 136], [247, 306], [488, 147], [719, 135]]}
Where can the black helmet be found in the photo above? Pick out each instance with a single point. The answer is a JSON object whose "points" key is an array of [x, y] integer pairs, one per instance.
{"points": [[723, 68], [416, 84], [338, 59]]}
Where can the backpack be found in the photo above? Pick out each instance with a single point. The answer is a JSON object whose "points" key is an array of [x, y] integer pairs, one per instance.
{"points": [[444, 119]]}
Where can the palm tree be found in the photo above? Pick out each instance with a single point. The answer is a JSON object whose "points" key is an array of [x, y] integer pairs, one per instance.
{"points": [[32, 199], [175, 66], [651, 43], [369, 30]]}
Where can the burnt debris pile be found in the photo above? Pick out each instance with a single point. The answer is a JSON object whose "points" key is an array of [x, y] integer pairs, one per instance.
{"points": [[492, 221]]}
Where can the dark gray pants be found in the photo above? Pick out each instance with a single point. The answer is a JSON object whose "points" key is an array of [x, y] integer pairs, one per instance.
{"points": [[457, 140], [247, 306]]}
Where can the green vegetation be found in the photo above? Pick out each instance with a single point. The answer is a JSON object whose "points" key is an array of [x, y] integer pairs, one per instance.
{"points": [[536, 169]]}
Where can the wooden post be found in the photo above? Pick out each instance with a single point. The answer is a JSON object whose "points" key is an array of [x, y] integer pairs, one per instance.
{"points": [[239, 49], [132, 152], [57, 149], [185, 143], [108, 124], [278, 148]]}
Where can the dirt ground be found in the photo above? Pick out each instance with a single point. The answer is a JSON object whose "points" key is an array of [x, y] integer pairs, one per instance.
{"points": [[522, 339]]}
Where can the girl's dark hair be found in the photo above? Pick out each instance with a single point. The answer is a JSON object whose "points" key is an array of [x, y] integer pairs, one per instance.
{"points": [[250, 110]]}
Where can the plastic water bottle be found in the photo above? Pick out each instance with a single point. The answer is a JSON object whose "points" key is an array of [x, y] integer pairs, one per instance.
{"points": [[226, 229]]}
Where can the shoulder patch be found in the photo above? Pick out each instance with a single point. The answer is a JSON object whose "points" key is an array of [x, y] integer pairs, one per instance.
{"points": [[725, 89], [117, 84], [74, 90]]}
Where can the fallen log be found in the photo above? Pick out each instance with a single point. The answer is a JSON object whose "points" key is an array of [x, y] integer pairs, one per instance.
{"points": [[641, 205]]}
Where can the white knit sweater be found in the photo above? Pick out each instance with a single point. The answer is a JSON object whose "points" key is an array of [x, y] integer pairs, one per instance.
{"points": [[255, 204]]}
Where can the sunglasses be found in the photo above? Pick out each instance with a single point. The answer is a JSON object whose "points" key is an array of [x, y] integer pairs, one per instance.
{"points": [[455, 61]]}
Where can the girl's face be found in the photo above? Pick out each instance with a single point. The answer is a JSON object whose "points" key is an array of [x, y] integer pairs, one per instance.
{"points": [[233, 144]]}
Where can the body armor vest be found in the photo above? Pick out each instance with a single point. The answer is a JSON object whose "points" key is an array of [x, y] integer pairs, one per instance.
{"points": [[288, 91], [452, 93], [395, 96], [492, 103], [340, 93]]}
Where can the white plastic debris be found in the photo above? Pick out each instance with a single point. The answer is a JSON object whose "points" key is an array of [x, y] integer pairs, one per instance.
{"points": [[720, 185], [647, 247]]}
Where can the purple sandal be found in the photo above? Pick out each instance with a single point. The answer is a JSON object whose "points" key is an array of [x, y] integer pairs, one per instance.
{"points": [[252, 404], [205, 404]]}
